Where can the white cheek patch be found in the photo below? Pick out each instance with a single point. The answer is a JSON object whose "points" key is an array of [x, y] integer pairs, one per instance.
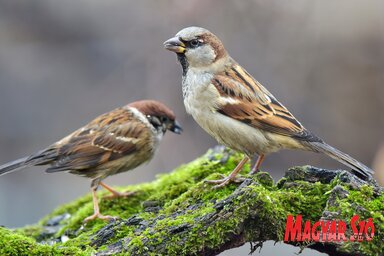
{"points": [[208, 53], [200, 56]]}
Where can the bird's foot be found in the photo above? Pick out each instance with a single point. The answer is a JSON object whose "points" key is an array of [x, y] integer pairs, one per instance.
{"points": [[98, 215], [225, 181], [117, 194], [254, 171]]}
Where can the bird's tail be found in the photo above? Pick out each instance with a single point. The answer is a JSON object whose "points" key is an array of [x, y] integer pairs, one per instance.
{"points": [[40, 158], [13, 166], [358, 168]]}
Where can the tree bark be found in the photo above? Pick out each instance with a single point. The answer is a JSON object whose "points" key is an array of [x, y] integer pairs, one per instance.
{"points": [[179, 214]]}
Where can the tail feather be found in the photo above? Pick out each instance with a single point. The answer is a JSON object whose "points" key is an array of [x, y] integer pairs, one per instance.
{"points": [[42, 157], [13, 166], [358, 168]]}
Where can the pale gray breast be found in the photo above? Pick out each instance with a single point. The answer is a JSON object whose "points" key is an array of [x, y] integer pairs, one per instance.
{"points": [[195, 90]]}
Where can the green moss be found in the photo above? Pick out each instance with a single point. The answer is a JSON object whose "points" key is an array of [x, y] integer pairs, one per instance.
{"points": [[13, 243], [264, 179], [364, 203], [305, 198], [184, 200]]}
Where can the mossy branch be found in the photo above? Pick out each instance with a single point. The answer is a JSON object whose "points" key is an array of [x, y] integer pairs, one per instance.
{"points": [[178, 214]]}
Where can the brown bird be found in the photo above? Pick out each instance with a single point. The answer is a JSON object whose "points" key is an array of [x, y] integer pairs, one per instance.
{"points": [[234, 108], [114, 142]]}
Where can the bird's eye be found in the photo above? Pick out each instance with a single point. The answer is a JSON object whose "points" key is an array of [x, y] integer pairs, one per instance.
{"points": [[194, 43], [164, 119]]}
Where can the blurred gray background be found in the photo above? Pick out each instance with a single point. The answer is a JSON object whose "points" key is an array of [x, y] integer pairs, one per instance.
{"points": [[62, 63]]}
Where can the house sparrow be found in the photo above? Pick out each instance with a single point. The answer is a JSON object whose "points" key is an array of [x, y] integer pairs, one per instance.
{"points": [[114, 142], [234, 108]]}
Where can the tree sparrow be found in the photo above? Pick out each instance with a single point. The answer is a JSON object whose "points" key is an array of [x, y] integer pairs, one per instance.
{"points": [[234, 108], [114, 142]]}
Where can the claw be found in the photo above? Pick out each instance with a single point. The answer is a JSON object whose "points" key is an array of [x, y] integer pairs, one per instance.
{"points": [[231, 178], [225, 181], [254, 171], [99, 216], [96, 210]]}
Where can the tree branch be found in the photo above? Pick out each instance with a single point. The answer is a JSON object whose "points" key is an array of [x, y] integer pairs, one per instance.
{"points": [[179, 214]]}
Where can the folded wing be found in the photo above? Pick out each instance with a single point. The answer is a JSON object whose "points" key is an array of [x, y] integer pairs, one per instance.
{"points": [[252, 104]]}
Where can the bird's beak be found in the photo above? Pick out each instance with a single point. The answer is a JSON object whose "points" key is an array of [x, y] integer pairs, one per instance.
{"points": [[174, 45], [176, 128]]}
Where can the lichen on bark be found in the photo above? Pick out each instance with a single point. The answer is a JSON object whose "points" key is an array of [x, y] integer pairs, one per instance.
{"points": [[179, 214]]}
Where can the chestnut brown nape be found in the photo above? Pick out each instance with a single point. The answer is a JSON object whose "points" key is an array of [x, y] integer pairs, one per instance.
{"points": [[216, 44], [153, 108]]}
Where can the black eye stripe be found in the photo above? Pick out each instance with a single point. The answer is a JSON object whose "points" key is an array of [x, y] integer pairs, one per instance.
{"points": [[193, 43]]}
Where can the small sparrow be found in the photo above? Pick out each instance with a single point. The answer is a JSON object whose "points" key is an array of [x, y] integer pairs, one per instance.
{"points": [[234, 108], [114, 142]]}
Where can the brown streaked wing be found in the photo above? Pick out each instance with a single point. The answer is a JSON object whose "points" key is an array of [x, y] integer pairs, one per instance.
{"points": [[95, 145], [256, 106]]}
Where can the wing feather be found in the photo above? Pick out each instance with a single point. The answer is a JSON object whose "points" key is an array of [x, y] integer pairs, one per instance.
{"points": [[256, 106], [100, 141]]}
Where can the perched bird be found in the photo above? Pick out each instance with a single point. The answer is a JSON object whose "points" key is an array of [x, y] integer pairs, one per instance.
{"points": [[234, 108], [114, 142]]}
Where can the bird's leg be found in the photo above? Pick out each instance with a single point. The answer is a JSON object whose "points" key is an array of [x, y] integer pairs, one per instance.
{"points": [[115, 193], [231, 177], [255, 168], [96, 211]]}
